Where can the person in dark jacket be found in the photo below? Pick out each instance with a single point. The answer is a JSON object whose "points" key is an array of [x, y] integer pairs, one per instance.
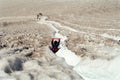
{"points": [[55, 44], [39, 15]]}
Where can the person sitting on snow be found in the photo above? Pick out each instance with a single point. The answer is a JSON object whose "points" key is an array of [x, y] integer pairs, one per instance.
{"points": [[55, 44]]}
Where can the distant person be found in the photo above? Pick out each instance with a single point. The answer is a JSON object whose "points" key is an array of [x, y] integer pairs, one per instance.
{"points": [[39, 16], [119, 42], [55, 44]]}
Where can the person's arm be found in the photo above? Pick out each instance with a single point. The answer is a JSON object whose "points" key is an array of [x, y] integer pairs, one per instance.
{"points": [[52, 42], [59, 41]]}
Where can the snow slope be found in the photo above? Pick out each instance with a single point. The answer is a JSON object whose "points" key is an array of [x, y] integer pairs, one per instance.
{"points": [[111, 37], [69, 56], [97, 69]]}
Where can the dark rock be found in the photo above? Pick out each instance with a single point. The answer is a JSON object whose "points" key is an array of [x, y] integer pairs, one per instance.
{"points": [[29, 54]]}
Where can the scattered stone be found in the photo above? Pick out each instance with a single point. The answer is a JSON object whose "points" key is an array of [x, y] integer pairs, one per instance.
{"points": [[29, 54], [25, 47], [3, 45], [15, 63], [83, 49]]}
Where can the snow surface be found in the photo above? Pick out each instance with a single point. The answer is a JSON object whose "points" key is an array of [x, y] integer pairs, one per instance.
{"points": [[97, 69], [69, 56], [111, 37]]}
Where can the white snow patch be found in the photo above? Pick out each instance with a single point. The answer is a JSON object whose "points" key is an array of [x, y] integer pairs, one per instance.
{"points": [[3, 64], [110, 36], [88, 27], [32, 65], [66, 27], [3, 74], [99, 69], [107, 50], [51, 25], [54, 24], [70, 57], [21, 75], [43, 21], [63, 38]]}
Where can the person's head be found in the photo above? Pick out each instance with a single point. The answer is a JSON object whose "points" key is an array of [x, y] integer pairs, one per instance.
{"points": [[55, 42], [40, 14]]}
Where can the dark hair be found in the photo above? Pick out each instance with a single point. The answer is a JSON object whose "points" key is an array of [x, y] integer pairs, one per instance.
{"points": [[40, 14], [55, 42]]}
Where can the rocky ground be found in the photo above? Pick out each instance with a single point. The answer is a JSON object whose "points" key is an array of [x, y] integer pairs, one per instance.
{"points": [[24, 52]]}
